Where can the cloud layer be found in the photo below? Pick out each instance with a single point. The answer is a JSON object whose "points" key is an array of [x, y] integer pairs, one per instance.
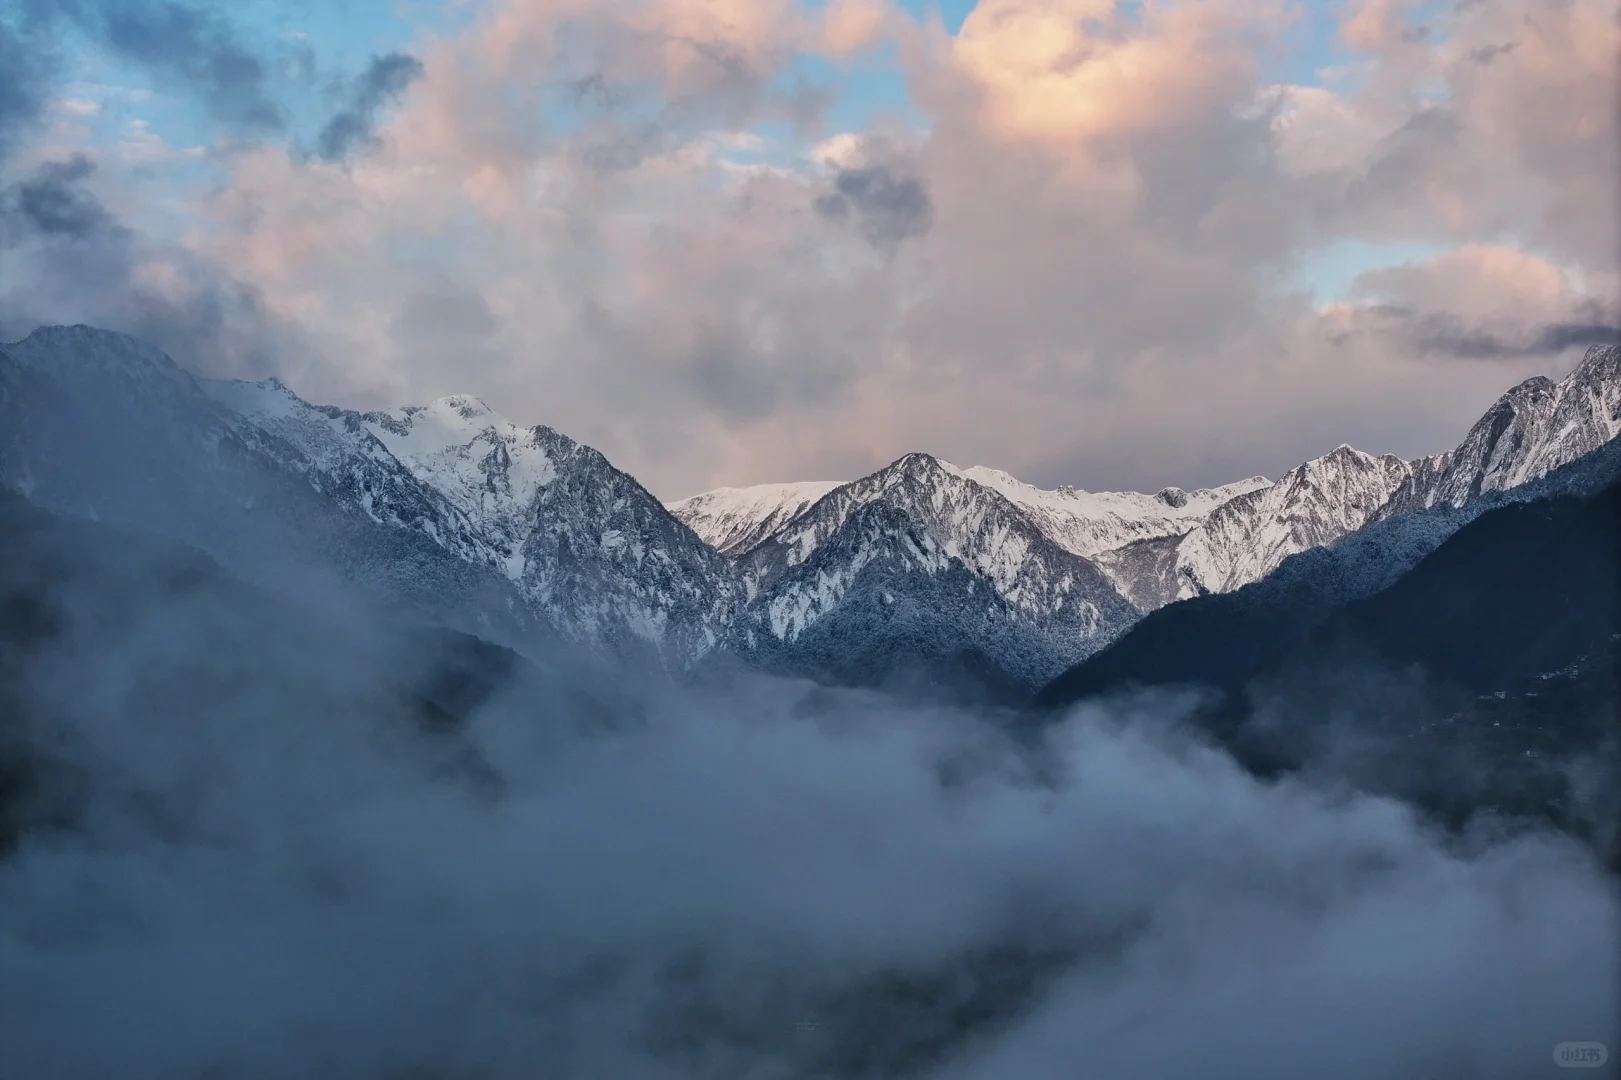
{"points": [[248, 861], [1077, 257]]}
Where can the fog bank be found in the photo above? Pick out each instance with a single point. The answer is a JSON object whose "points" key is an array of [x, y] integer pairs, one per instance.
{"points": [[245, 854]]}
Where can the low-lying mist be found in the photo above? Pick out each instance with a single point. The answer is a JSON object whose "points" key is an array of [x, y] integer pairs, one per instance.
{"points": [[243, 841]]}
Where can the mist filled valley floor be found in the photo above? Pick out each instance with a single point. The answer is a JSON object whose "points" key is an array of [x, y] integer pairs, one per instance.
{"points": [[249, 836]]}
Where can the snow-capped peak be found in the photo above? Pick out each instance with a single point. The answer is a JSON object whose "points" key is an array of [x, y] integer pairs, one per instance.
{"points": [[430, 429], [488, 467], [327, 438], [1600, 364]]}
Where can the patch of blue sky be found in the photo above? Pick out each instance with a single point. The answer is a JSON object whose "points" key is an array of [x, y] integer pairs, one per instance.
{"points": [[1330, 272], [860, 89], [123, 116], [313, 46], [858, 92], [951, 13], [347, 33], [308, 49], [1309, 47], [1314, 55]]}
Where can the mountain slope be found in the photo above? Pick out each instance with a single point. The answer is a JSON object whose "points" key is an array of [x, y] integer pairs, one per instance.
{"points": [[452, 511], [1523, 589], [447, 510], [1484, 680], [1224, 639], [1313, 504], [581, 542], [1530, 431], [1249, 535], [454, 514], [96, 424], [882, 603], [920, 534], [1489, 677]]}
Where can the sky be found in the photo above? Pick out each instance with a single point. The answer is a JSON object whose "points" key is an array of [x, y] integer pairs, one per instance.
{"points": [[1114, 245]]}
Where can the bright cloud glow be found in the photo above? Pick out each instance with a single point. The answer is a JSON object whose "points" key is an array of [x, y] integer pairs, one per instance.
{"points": [[730, 241]]}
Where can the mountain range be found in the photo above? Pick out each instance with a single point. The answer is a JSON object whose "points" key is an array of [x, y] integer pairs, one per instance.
{"points": [[522, 536]]}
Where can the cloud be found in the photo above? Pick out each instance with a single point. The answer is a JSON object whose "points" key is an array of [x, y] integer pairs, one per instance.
{"points": [[192, 47], [1078, 265], [68, 258], [1439, 334], [60, 239], [26, 67], [53, 203], [1577, 335], [887, 209], [1485, 301], [1085, 69], [351, 127], [244, 855], [448, 314]]}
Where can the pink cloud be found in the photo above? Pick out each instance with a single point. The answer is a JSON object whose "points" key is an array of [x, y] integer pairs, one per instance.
{"points": [[1071, 270]]}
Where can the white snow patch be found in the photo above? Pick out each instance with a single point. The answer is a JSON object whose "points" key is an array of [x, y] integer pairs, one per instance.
{"points": [[734, 519], [1089, 522], [486, 466]]}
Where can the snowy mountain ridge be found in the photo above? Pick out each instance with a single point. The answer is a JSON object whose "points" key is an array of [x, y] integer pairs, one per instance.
{"points": [[1157, 549], [1311, 505], [1529, 432], [633, 574], [962, 520], [449, 507], [1089, 522], [732, 520]]}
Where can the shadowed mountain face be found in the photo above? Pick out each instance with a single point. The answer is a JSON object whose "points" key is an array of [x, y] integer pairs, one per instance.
{"points": [[1482, 679], [1520, 591], [1221, 640], [96, 425]]}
